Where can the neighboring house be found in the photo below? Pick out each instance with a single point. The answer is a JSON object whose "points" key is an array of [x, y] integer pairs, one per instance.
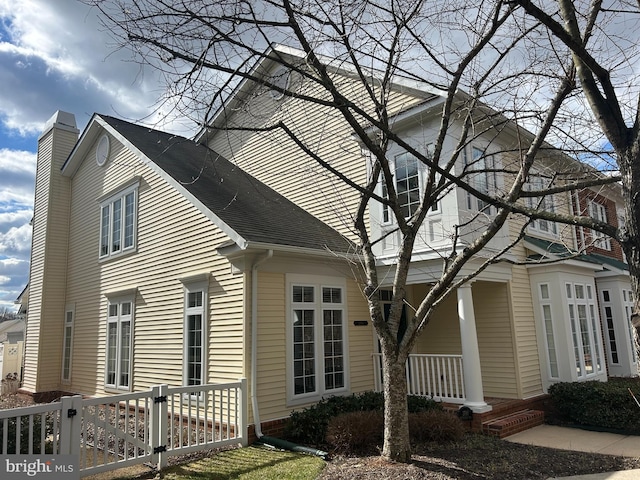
{"points": [[157, 259], [12, 346]]}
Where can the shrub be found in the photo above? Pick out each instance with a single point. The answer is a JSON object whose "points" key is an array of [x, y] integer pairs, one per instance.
{"points": [[435, 426], [599, 404], [356, 432], [309, 426], [362, 432], [23, 425]]}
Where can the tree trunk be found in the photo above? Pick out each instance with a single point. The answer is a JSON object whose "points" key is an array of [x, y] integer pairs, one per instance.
{"points": [[397, 447], [629, 164]]}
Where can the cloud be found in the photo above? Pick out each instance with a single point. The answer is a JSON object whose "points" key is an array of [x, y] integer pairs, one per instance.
{"points": [[14, 275], [56, 56]]}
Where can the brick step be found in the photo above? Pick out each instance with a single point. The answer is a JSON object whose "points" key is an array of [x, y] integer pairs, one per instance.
{"points": [[516, 422]]}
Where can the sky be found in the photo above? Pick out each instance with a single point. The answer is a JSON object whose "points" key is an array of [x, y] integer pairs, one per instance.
{"points": [[54, 55]]}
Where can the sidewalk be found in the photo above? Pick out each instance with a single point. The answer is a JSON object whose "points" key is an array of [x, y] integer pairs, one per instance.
{"points": [[584, 441]]}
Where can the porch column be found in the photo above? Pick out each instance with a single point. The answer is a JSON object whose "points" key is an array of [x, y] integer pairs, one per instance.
{"points": [[470, 352]]}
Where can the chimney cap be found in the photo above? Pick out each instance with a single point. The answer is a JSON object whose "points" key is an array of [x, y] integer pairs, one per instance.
{"points": [[63, 120]]}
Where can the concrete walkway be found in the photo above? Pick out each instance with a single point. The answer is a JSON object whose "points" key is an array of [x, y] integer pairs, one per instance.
{"points": [[584, 441]]}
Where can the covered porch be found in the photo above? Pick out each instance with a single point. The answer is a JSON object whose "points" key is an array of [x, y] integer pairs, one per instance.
{"points": [[478, 351]]}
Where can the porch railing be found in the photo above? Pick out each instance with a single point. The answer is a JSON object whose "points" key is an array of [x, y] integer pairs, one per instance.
{"points": [[436, 376]]}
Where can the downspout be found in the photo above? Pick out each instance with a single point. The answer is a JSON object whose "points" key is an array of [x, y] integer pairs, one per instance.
{"points": [[254, 340]]}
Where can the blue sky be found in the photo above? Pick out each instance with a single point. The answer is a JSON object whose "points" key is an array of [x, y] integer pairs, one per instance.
{"points": [[54, 55]]}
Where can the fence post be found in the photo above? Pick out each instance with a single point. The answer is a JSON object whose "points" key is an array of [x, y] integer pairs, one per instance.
{"points": [[159, 426], [244, 406], [70, 425]]}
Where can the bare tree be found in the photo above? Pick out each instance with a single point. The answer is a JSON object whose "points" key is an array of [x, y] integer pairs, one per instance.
{"points": [[468, 57], [601, 40]]}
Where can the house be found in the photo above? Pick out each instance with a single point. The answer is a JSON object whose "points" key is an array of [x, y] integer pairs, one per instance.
{"points": [[12, 346], [157, 259]]}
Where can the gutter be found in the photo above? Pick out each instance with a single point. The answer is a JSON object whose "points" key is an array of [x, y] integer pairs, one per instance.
{"points": [[254, 340]]}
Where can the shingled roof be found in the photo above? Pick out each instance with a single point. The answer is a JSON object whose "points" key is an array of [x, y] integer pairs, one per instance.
{"points": [[256, 212]]}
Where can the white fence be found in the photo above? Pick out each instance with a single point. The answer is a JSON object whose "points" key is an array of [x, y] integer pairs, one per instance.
{"points": [[10, 364], [121, 430], [437, 376]]}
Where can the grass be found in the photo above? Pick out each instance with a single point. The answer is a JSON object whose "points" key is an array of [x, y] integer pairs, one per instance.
{"points": [[250, 463]]}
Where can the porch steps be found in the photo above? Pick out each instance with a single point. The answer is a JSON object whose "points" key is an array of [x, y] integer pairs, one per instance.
{"points": [[515, 422]]}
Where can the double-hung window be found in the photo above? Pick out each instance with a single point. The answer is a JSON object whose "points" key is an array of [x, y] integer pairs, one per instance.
{"points": [[407, 182], [316, 338], [119, 343], [482, 177], [118, 222], [599, 212], [546, 204], [195, 322]]}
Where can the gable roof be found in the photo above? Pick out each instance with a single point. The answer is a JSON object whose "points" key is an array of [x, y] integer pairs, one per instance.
{"points": [[256, 213]]}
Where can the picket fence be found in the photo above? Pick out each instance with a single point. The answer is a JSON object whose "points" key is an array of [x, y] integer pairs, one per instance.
{"points": [[117, 431]]}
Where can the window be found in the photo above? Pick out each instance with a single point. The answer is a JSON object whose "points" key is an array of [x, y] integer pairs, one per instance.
{"points": [[195, 334], [484, 180], [118, 223], [599, 212], [409, 184], [67, 344], [612, 346], [627, 302], [584, 329], [119, 344], [407, 181], [545, 302], [317, 339], [543, 203]]}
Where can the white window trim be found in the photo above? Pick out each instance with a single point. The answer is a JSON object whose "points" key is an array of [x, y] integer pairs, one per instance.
{"points": [[318, 282], [598, 211], [119, 301], [609, 326], [593, 327], [423, 171], [108, 203], [627, 305], [201, 286], [549, 335], [69, 319], [473, 203], [547, 203]]}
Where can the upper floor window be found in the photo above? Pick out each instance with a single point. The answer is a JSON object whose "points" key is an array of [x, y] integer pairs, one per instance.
{"points": [[118, 222], [482, 177], [546, 204], [599, 212], [408, 181]]}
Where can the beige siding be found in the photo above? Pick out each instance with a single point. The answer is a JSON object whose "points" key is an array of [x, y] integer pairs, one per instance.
{"points": [[48, 264], [494, 330], [495, 339], [442, 335], [166, 252], [272, 351], [277, 161]]}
